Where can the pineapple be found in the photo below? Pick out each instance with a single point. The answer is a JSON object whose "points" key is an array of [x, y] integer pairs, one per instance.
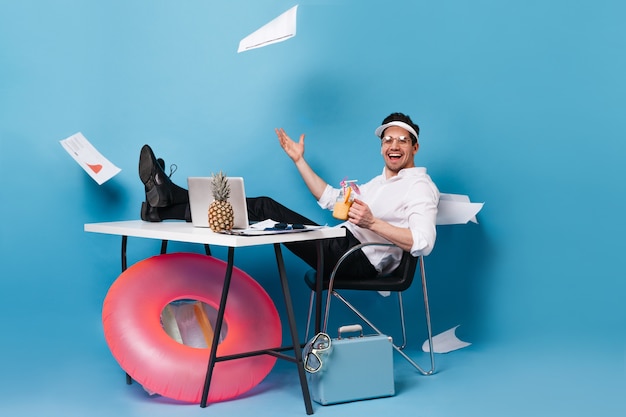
{"points": [[221, 216]]}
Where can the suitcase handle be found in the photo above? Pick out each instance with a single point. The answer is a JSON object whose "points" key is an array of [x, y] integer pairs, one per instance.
{"points": [[353, 328]]}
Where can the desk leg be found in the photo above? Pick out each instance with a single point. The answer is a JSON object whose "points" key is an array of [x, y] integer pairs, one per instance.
{"points": [[129, 380], [318, 286], [124, 244], [218, 327], [293, 329]]}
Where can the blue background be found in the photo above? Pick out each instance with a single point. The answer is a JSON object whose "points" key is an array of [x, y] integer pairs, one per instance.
{"points": [[520, 104]]}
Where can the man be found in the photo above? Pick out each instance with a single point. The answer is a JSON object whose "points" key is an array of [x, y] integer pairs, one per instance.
{"points": [[398, 206]]}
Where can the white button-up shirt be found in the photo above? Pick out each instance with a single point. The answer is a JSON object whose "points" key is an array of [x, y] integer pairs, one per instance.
{"points": [[408, 200]]}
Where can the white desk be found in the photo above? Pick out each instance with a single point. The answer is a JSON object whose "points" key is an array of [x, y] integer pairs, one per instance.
{"points": [[185, 232]]}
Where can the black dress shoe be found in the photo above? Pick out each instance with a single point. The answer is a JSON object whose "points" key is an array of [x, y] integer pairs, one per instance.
{"points": [[160, 190], [158, 185]]}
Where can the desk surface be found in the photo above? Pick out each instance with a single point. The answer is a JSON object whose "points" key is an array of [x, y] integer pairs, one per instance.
{"points": [[185, 232]]}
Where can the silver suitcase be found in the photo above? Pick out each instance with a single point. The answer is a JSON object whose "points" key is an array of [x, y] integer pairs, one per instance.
{"points": [[354, 368]]}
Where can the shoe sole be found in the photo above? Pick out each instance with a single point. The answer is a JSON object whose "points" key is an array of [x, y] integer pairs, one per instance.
{"points": [[155, 196]]}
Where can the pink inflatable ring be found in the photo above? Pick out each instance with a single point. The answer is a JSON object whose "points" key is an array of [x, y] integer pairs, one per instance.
{"points": [[132, 327]]}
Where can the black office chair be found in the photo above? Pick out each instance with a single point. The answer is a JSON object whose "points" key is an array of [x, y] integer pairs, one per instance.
{"points": [[397, 281]]}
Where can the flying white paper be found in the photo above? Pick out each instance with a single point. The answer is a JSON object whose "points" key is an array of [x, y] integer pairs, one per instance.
{"points": [[457, 209], [445, 342], [97, 166], [280, 29]]}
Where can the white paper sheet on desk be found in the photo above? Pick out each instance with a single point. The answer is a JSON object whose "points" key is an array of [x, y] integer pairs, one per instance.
{"points": [[457, 209], [280, 29], [87, 156], [261, 228]]}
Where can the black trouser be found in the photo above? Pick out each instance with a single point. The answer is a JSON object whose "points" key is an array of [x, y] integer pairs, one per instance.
{"points": [[356, 267]]}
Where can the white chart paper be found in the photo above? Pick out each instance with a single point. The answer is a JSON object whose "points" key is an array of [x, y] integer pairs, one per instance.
{"points": [[87, 156]]}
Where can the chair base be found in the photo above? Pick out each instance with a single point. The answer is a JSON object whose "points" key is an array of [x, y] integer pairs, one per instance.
{"points": [[398, 281], [398, 348]]}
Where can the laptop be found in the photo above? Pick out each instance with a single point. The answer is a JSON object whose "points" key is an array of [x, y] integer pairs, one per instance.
{"points": [[201, 197]]}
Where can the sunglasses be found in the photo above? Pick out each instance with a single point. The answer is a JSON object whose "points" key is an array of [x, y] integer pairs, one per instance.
{"points": [[402, 140], [286, 226], [311, 352]]}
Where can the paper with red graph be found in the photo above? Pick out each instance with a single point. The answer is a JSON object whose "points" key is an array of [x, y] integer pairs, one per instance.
{"points": [[97, 166]]}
